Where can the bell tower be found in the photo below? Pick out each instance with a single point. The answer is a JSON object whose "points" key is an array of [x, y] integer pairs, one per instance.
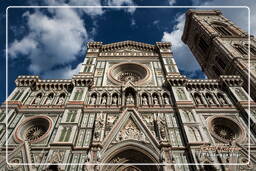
{"points": [[220, 47]]}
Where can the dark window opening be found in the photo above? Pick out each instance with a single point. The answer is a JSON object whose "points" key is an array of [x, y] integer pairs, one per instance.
{"points": [[240, 49], [203, 45], [252, 49], [220, 62], [216, 70]]}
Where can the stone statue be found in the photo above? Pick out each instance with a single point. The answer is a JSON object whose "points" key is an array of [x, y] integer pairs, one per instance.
{"points": [[222, 100], [37, 100], [198, 99], [144, 100], [155, 100], [93, 99], [61, 100], [104, 100], [49, 100], [210, 100], [114, 101], [130, 99], [166, 100]]}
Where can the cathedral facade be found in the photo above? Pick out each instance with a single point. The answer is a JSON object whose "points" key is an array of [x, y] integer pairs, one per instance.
{"points": [[130, 109]]}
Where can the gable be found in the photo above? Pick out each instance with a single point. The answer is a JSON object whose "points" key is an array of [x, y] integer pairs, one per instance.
{"points": [[130, 127]]}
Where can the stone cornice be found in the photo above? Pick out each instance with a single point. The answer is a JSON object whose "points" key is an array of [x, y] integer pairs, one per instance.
{"points": [[127, 44], [231, 80], [82, 80], [202, 84]]}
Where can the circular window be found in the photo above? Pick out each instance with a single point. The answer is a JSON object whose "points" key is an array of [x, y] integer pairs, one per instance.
{"points": [[226, 129], [124, 72], [33, 129]]}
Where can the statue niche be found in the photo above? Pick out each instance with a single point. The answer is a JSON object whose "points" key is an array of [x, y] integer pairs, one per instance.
{"points": [[130, 96], [49, 99], [144, 99], [37, 99], [115, 99]]}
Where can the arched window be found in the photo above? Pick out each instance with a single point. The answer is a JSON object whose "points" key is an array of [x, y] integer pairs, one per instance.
{"points": [[241, 49], [252, 49], [222, 29]]}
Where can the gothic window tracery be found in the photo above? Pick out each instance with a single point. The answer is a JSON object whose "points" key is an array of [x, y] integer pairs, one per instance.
{"points": [[181, 94], [225, 129], [71, 116], [198, 98], [252, 49], [33, 129], [194, 131], [18, 94], [65, 134], [222, 29], [241, 49], [189, 116]]}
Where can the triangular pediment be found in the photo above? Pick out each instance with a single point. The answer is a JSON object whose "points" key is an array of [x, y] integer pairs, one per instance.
{"points": [[130, 127]]}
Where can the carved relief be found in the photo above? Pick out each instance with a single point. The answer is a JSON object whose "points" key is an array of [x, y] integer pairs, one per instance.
{"points": [[129, 99], [57, 157], [131, 131], [99, 125]]}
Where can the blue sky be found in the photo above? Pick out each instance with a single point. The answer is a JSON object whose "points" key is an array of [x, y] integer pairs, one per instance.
{"points": [[50, 42]]}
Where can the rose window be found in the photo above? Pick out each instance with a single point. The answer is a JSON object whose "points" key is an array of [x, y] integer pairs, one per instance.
{"points": [[33, 129], [35, 132], [129, 76], [124, 72], [224, 132], [225, 129]]}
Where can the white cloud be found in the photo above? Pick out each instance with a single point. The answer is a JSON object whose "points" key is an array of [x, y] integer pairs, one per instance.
{"points": [[93, 11], [183, 57], [22, 47], [63, 73], [123, 3], [171, 2], [52, 41]]}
